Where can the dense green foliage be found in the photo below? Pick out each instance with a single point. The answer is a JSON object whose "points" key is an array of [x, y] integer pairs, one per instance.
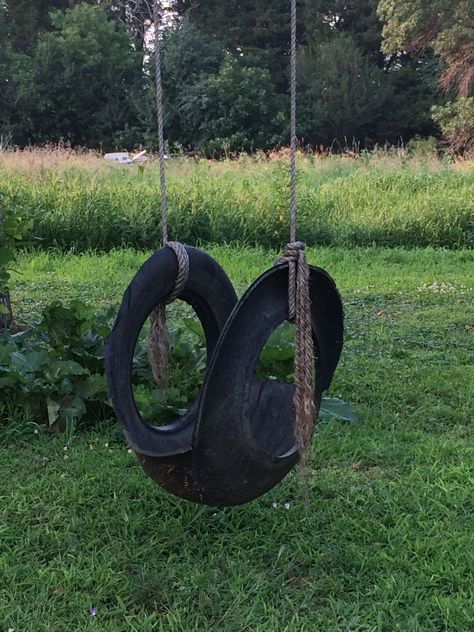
{"points": [[29, 18], [54, 371], [447, 27], [235, 109], [344, 95], [78, 72], [385, 542], [13, 230], [79, 82], [84, 81], [387, 201]]}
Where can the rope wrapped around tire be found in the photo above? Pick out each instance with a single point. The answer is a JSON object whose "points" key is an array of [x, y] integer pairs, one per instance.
{"points": [[237, 440]]}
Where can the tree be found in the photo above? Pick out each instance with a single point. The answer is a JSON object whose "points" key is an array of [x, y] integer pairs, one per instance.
{"points": [[189, 55], [343, 95], [213, 100], [358, 18], [447, 26], [414, 89], [27, 18], [256, 30], [236, 109], [137, 15], [84, 75]]}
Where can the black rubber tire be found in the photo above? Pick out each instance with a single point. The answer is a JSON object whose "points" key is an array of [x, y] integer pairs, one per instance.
{"points": [[243, 441], [210, 293], [236, 442]]}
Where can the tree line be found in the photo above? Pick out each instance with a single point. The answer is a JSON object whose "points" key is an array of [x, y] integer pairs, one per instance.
{"points": [[370, 72]]}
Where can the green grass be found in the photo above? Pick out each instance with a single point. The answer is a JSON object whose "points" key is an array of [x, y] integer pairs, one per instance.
{"points": [[374, 200], [386, 542]]}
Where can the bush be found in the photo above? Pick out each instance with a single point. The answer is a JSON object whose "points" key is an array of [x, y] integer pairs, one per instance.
{"points": [[54, 371], [236, 109], [456, 120], [13, 229]]}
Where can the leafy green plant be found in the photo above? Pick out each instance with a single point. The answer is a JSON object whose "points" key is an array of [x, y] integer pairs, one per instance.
{"points": [[13, 229], [187, 364], [276, 362], [55, 369]]}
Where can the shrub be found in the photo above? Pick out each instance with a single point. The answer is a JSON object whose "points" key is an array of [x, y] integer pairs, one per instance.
{"points": [[456, 120]]}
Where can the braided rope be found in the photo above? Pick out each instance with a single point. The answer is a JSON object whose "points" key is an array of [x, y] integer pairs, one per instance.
{"points": [[294, 141], [183, 268], [157, 19], [158, 337], [299, 301]]}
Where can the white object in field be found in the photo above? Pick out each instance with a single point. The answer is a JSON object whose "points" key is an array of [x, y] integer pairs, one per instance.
{"points": [[119, 156], [124, 158], [139, 157]]}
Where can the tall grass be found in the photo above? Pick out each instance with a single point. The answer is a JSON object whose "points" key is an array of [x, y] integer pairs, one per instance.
{"points": [[80, 202]]}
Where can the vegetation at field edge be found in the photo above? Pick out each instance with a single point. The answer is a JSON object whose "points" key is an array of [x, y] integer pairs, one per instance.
{"points": [[386, 199]]}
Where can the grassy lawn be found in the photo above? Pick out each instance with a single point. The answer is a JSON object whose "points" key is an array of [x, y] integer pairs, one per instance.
{"points": [[386, 541]]}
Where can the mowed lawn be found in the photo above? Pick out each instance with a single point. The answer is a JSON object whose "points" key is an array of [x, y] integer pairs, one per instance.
{"points": [[386, 541]]}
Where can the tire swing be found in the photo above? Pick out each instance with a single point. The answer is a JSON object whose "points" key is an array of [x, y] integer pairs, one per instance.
{"points": [[242, 434]]}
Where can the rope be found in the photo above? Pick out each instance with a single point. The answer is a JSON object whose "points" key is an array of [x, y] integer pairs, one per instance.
{"points": [[158, 337], [299, 310], [299, 301], [293, 144], [157, 19]]}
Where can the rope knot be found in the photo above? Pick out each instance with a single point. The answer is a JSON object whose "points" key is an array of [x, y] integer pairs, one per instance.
{"points": [[183, 268], [293, 252], [295, 257]]}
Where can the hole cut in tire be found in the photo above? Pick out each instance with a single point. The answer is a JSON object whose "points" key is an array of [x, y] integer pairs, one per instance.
{"points": [[276, 360], [187, 364]]}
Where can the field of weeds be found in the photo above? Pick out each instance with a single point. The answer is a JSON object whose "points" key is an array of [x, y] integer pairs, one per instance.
{"points": [[388, 198]]}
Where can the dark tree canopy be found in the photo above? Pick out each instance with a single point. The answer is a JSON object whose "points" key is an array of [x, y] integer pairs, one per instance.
{"points": [[82, 78], [256, 29], [80, 70], [447, 26], [358, 18], [27, 18]]}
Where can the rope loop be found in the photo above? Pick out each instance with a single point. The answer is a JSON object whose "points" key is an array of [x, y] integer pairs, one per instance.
{"points": [[158, 338], [294, 254], [183, 268]]}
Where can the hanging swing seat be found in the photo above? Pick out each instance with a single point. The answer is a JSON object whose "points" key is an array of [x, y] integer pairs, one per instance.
{"points": [[237, 439]]}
